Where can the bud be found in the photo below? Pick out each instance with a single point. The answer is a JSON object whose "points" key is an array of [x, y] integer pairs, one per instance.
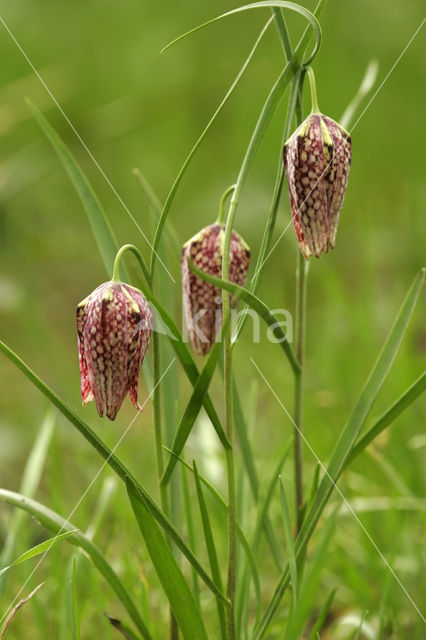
{"points": [[114, 327], [317, 160], [202, 300]]}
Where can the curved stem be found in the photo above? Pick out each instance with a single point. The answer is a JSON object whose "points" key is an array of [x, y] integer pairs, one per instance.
{"points": [[313, 86], [135, 251], [221, 216]]}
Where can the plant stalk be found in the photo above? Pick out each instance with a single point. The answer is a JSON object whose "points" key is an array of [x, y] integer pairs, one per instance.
{"points": [[301, 282], [229, 425], [156, 400]]}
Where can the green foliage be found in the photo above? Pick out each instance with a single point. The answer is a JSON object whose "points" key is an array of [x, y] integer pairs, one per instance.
{"points": [[143, 580]]}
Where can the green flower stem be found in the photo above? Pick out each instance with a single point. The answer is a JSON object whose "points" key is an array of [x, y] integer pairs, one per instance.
{"points": [[262, 124], [118, 257], [301, 281], [156, 401], [313, 86], [221, 216]]}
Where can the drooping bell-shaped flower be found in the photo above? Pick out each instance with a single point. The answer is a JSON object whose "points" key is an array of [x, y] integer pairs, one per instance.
{"points": [[317, 159], [114, 327], [202, 300]]}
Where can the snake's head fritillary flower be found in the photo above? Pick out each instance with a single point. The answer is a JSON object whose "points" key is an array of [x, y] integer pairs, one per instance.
{"points": [[114, 327], [202, 300], [317, 159]]}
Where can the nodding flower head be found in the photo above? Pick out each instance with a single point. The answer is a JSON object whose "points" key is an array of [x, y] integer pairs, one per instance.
{"points": [[114, 327], [317, 159], [203, 301]]}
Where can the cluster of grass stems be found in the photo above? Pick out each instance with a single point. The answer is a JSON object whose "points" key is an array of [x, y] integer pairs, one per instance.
{"points": [[241, 612]]}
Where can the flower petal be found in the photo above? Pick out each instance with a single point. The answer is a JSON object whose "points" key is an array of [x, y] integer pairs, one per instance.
{"points": [[304, 163], [338, 175], [199, 296], [139, 331]]}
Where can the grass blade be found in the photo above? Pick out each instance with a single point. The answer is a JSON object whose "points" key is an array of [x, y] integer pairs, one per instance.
{"points": [[261, 521], [54, 522], [16, 609], [46, 545], [289, 541], [261, 5], [361, 623], [125, 631], [319, 623], [187, 361], [254, 303], [73, 604], [174, 584], [156, 206], [192, 410], [248, 459], [211, 548], [108, 489], [30, 481], [365, 87], [114, 462], [178, 179], [240, 533], [311, 582], [190, 533], [99, 223], [347, 439], [389, 416]]}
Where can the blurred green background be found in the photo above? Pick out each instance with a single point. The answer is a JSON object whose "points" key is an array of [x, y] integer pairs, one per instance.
{"points": [[136, 108]]}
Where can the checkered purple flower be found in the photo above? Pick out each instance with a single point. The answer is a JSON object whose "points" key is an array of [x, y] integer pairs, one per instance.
{"points": [[317, 159], [114, 327], [203, 301]]}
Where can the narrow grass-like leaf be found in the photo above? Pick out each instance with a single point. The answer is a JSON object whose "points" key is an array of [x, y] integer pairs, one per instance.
{"points": [[30, 481], [389, 416], [178, 179], [314, 484], [16, 608], [190, 532], [192, 410], [261, 520], [319, 623], [125, 631], [254, 303], [240, 533], [361, 623], [308, 590], [38, 549], [273, 210], [171, 577], [211, 548], [108, 489], [73, 604], [156, 206], [54, 522], [101, 227], [114, 462], [187, 361], [248, 459], [288, 533], [261, 125], [365, 87], [292, 6], [346, 441]]}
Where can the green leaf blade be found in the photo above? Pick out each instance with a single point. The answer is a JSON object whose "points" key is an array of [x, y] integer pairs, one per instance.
{"points": [[174, 584], [99, 223]]}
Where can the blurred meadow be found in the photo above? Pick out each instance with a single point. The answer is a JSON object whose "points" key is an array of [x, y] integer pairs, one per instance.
{"points": [[136, 108]]}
